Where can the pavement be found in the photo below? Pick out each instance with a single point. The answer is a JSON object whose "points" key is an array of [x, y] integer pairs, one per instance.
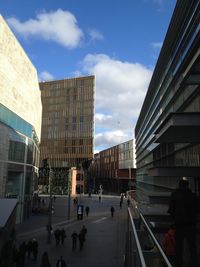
{"points": [[105, 239]]}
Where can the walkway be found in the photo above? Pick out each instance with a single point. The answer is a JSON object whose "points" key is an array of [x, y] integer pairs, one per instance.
{"points": [[105, 240]]}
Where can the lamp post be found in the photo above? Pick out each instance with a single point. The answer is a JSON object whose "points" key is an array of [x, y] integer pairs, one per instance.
{"points": [[69, 194], [47, 166]]}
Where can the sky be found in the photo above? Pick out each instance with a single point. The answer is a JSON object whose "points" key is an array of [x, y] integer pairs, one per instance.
{"points": [[116, 40]]}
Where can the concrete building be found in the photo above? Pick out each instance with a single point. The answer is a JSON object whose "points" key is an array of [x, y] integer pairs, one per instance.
{"points": [[67, 125], [113, 168], [168, 128], [20, 122]]}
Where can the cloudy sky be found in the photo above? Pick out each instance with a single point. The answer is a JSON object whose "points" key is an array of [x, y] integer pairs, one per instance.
{"points": [[118, 41]]}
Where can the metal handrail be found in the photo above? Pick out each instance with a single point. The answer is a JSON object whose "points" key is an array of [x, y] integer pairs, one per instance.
{"points": [[155, 241], [134, 203], [137, 240]]}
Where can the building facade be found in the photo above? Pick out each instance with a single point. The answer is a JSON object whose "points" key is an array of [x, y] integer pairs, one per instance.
{"points": [[20, 122], [113, 168], [67, 124], [168, 128]]}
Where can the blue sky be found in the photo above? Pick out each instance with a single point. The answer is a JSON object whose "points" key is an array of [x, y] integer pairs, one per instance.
{"points": [[118, 41]]}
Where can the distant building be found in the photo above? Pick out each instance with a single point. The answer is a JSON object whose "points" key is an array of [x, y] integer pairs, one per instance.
{"points": [[20, 122], [168, 128], [67, 126], [113, 168]]}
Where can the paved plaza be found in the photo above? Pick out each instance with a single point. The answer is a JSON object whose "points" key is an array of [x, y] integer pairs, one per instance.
{"points": [[105, 239]]}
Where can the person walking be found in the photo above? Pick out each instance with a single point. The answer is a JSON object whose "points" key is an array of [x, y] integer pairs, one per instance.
{"points": [[57, 235], [61, 262], [45, 260], [112, 210], [34, 249], [183, 209], [62, 236], [87, 210], [74, 237], [81, 240], [120, 203], [84, 232]]}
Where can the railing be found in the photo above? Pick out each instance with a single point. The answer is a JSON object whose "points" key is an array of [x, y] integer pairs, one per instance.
{"points": [[142, 247]]}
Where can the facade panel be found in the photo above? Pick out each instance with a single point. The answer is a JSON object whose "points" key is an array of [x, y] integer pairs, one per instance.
{"points": [[173, 92], [20, 122]]}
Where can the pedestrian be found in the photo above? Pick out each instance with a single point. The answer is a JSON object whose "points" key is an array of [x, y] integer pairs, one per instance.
{"points": [[128, 202], [87, 210], [84, 232], [45, 260], [169, 244], [81, 240], [34, 249], [29, 248], [99, 198], [57, 236], [74, 240], [61, 262], [54, 198], [183, 209], [120, 203], [112, 210], [62, 236], [22, 253]]}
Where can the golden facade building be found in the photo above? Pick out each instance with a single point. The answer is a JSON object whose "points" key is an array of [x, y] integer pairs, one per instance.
{"points": [[67, 122]]}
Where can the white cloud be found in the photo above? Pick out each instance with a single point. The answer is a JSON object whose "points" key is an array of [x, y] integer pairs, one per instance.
{"points": [[59, 26], [95, 34], [157, 45], [110, 138], [120, 91], [46, 76]]}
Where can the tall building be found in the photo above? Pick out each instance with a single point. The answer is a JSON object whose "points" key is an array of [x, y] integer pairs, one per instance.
{"points": [[168, 128], [20, 122], [67, 137]]}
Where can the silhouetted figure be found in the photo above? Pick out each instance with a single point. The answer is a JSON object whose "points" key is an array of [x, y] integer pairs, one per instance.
{"points": [[128, 202], [29, 248], [34, 248], [61, 262], [57, 236], [45, 260], [183, 209], [22, 254], [81, 240], [54, 198], [87, 210], [63, 236], [112, 210], [169, 244], [84, 232], [74, 237], [120, 203]]}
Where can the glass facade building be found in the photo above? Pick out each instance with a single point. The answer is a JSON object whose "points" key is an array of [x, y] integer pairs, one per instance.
{"points": [[168, 128]]}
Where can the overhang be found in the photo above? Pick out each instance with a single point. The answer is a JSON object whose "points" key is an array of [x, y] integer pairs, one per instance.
{"points": [[179, 128], [174, 171]]}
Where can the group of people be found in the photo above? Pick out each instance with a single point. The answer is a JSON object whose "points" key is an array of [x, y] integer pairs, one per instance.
{"points": [[13, 255], [46, 263], [60, 236], [81, 237]]}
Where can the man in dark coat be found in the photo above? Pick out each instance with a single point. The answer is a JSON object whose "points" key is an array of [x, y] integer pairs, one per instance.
{"points": [[61, 262], [183, 209]]}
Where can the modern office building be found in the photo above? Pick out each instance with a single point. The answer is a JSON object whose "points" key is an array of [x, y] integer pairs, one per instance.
{"points": [[67, 137], [20, 122], [113, 168], [168, 128]]}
